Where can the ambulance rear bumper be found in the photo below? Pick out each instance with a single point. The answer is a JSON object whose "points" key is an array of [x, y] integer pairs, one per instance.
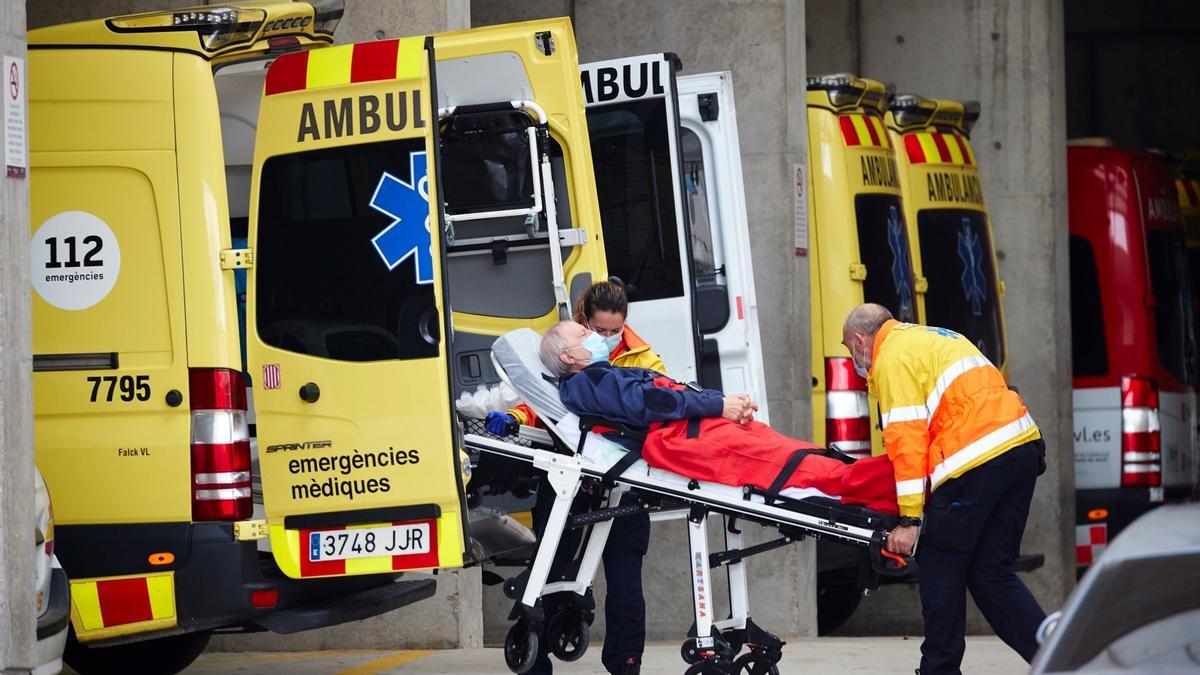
{"points": [[222, 583]]}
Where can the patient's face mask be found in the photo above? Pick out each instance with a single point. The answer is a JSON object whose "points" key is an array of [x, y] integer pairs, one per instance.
{"points": [[596, 344]]}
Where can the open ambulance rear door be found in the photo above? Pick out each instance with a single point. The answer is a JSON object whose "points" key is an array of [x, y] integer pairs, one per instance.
{"points": [[633, 123], [346, 332], [726, 308]]}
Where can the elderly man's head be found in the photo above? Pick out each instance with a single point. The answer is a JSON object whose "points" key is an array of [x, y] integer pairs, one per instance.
{"points": [[563, 351], [858, 333]]}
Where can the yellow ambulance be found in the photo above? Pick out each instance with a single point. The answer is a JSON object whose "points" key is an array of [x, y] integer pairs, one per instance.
{"points": [[276, 464], [859, 252], [858, 247], [948, 221]]}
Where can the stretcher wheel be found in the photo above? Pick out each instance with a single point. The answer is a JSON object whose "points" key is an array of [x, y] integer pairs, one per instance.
{"points": [[520, 648], [708, 668], [689, 652], [569, 635], [754, 663]]}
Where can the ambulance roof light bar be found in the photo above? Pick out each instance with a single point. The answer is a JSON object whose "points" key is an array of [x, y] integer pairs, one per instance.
{"points": [[326, 14], [910, 110], [843, 89], [971, 111], [221, 26], [217, 26]]}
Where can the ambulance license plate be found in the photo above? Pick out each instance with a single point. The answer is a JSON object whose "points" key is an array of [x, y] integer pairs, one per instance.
{"points": [[368, 542]]}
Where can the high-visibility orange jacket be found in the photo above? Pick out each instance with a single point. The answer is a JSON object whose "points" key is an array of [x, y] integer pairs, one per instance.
{"points": [[944, 407], [631, 352]]}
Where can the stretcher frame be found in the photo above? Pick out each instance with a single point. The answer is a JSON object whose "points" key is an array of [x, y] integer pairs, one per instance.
{"points": [[715, 641]]}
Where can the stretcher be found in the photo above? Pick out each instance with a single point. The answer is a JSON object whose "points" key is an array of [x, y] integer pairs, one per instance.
{"points": [[574, 457]]}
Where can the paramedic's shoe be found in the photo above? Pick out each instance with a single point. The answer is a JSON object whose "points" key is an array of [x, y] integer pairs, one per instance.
{"points": [[632, 666]]}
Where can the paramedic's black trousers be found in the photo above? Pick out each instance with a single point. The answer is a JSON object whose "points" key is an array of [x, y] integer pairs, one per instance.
{"points": [[624, 604], [972, 535]]}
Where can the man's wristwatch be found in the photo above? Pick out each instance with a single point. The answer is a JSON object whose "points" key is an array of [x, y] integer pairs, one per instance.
{"points": [[909, 521]]}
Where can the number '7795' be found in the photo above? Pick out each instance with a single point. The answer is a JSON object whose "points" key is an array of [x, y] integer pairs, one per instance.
{"points": [[127, 387]]}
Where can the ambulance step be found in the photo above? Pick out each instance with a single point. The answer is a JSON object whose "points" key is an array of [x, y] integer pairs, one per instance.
{"points": [[353, 607]]}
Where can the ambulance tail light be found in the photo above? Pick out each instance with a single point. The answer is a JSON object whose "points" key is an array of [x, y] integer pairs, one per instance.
{"points": [[847, 414], [1141, 436], [221, 487]]}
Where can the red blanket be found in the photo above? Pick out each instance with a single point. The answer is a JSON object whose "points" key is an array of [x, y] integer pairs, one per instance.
{"points": [[733, 454]]}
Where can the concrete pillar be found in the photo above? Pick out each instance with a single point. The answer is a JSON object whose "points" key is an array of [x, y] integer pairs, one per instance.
{"points": [[17, 601], [1009, 57], [761, 43]]}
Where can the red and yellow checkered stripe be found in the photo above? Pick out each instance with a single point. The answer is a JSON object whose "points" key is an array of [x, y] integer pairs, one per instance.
{"points": [[112, 606], [1189, 193], [936, 147], [863, 130], [348, 64]]}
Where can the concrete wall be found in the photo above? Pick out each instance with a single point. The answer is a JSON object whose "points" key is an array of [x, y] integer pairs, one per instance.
{"points": [[17, 602], [760, 43], [1009, 57]]}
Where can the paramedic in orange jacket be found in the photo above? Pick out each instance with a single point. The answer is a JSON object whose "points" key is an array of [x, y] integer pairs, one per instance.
{"points": [[602, 309], [966, 454]]}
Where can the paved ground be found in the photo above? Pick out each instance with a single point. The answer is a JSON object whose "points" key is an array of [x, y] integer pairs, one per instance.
{"points": [[886, 656]]}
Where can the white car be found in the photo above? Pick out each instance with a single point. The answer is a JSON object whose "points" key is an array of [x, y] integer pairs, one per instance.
{"points": [[53, 592], [1137, 610]]}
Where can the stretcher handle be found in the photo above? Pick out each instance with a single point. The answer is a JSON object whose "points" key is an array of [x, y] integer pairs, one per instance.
{"points": [[901, 561]]}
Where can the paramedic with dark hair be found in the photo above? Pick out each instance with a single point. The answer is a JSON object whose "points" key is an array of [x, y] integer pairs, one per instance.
{"points": [[603, 309], [966, 453]]}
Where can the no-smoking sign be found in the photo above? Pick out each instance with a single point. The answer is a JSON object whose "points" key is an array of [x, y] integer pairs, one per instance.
{"points": [[15, 152]]}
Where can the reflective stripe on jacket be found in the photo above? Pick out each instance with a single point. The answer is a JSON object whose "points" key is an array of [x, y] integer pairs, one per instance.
{"points": [[943, 406]]}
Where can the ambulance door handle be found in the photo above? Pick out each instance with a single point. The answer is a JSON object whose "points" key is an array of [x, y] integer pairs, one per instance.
{"points": [[310, 392]]}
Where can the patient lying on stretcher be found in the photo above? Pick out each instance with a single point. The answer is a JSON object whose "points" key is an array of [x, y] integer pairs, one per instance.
{"points": [[702, 433]]}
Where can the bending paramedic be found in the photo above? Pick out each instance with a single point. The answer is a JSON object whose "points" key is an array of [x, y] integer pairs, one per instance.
{"points": [[967, 453], [602, 311]]}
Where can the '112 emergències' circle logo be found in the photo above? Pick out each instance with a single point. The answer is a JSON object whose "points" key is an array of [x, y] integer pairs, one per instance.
{"points": [[75, 260]]}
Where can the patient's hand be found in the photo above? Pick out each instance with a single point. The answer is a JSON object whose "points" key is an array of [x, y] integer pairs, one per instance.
{"points": [[739, 408]]}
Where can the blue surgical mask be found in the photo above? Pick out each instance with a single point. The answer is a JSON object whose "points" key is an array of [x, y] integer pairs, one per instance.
{"points": [[596, 345], [612, 341], [862, 372]]}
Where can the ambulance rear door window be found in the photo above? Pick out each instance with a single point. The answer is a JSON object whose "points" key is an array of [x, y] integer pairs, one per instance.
{"points": [[883, 247], [1089, 354], [956, 256], [1170, 281], [632, 160], [323, 288]]}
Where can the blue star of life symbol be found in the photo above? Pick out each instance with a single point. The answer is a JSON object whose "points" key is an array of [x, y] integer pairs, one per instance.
{"points": [[901, 266], [970, 251], [407, 204]]}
